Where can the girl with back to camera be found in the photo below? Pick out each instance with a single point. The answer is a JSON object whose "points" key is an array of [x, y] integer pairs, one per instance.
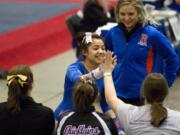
{"points": [[150, 119], [21, 115], [84, 120], [137, 45]]}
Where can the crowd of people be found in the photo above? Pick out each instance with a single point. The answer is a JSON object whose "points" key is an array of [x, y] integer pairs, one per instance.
{"points": [[118, 70], [92, 14]]}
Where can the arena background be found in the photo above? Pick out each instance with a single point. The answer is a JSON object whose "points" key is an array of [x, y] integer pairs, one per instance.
{"points": [[33, 32]]}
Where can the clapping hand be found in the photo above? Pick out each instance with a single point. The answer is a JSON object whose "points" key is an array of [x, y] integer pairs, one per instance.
{"points": [[109, 63]]}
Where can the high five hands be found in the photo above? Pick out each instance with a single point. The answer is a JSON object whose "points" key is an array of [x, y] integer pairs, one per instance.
{"points": [[109, 62], [107, 66]]}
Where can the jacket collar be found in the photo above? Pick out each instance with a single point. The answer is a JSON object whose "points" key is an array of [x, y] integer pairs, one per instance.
{"points": [[128, 33]]}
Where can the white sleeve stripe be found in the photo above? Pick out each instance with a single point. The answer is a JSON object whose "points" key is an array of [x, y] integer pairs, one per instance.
{"points": [[62, 122], [105, 127]]}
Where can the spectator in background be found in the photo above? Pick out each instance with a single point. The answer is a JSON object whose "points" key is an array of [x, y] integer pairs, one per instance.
{"points": [[3, 73], [74, 20], [93, 16], [84, 119], [152, 118], [136, 43], [93, 13], [21, 115]]}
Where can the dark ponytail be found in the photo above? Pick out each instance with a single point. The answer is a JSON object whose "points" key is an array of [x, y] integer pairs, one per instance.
{"points": [[155, 90], [14, 94], [19, 82], [158, 114], [84, 95]]}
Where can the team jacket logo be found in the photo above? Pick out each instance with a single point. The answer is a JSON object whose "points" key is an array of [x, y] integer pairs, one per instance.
{"points": [[143, 40], [81, 130]]}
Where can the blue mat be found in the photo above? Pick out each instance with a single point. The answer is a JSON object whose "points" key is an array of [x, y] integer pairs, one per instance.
{"points": [[16, 15]]}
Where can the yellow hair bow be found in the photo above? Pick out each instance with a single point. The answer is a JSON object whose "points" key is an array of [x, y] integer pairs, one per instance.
{"points": [[21, 79]]}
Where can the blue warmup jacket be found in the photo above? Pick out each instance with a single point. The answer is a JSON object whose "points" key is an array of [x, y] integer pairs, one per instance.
{"points": [[72, 76], [159, 4], [156, 3], [132, 58], [174, 6]]}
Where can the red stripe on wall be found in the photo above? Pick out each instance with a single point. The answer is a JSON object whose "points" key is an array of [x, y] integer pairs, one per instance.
{"points": [[36, 42]]}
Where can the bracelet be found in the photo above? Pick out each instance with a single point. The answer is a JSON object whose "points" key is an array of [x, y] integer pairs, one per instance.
{"points": [[92, 75], [107, 74], [82, 78], [117, 124]]}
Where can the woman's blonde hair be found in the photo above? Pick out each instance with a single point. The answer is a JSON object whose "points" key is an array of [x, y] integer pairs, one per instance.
{"points": [[139, 6]]}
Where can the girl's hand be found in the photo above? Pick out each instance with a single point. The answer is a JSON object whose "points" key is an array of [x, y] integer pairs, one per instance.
{"points": [[109, 63], [121, 133]]}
